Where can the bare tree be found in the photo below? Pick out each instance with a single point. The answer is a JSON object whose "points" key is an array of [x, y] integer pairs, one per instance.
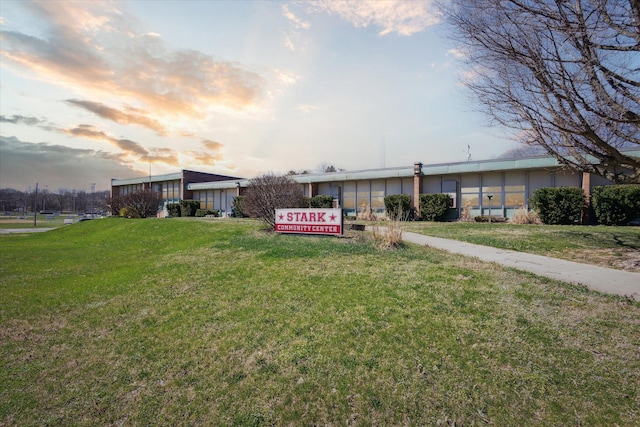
{"points": [[139, 204], [565, 74], [266, 193], [326, 168]]}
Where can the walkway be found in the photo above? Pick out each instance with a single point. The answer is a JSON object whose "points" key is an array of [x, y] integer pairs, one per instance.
{"points": [[23, 230], [606, 280]]}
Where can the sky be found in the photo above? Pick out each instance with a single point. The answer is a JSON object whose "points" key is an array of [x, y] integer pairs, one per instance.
{"points": [[95, 90]]}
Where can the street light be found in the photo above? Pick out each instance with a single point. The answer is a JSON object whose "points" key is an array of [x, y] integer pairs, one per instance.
{"points": [[489, 196]]}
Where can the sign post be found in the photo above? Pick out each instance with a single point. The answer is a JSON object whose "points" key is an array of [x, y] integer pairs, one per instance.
{"points": [[309, 221]]}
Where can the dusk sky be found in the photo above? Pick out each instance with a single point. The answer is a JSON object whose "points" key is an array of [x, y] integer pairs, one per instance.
{"points": [[94, 90]]}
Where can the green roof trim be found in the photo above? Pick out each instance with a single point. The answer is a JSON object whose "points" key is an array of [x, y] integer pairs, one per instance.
{"points": [[490, 166]]}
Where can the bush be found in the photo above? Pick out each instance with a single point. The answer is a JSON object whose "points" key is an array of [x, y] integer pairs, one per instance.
{"points": [[116, 204], [366, 214], [434, 207], [558, 205], [124, 213], [388, 237], [236, 207], [485, 218], [138, 204], [465, 214], [320, 201], [524, 216], [616, 204], [398, 206], [204, 212], [189, 207], [173, 209], [266, 193]]}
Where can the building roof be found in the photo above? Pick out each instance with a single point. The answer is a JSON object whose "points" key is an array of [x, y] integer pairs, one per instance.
{"points": [[145, 179], [168, 177], [400, 172], [495, 165]]}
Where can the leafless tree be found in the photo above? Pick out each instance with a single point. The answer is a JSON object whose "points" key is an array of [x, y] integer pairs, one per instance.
{"points": [[266, 193], [325, 168], [564, 74], [139, 204]]}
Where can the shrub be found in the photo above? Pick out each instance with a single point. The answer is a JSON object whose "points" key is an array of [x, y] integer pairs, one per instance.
{"points": [[320, 201], [367, 214], [116, 204], [616, 204], [485, 218], [266, 193], [173, 209], [138, 204], [465, 214], [524, 216], [204, 212], [388, 237], [124, 213], [189, 207], [558, 205], [398, 206], [434, 207], [236, 207]]}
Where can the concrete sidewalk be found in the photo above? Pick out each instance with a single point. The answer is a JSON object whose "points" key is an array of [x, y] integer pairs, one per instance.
{"points": [[606, 280]]}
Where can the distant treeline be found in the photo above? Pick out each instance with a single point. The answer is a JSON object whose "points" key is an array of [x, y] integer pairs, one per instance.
{"points": [[14, 201]]}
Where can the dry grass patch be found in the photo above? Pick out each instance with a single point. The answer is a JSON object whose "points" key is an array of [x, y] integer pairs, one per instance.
{"points": [[387, 237], [367, 214], [525, 216], [621, 259]]}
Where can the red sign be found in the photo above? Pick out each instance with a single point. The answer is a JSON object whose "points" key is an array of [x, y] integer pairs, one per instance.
{"points": [[309, 221]]}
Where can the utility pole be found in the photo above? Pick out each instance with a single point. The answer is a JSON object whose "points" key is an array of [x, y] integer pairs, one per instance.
{"points": [[35, 207]]}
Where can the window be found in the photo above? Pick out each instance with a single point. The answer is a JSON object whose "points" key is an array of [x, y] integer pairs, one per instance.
{"points": [[377, 196], [349, 201], [470, 199], [377, 200], [363, 201], [470, 190], [514, 189], [209, 204], [496, 198]]}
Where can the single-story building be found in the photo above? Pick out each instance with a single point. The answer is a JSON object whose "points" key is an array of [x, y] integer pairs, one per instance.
{"points": [[174, 187], [509, 182]]}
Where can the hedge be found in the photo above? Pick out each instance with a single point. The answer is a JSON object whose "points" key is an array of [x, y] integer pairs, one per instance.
{"points": [[189, 207], [398, 206], [236, 207], [558, 205], [616, 204], [173, 209], [434, 207], [320, 201]]}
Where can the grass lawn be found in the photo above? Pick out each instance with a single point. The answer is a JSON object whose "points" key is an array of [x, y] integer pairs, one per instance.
{"points": [[195, 322], [614, 247], [42, 221]]}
